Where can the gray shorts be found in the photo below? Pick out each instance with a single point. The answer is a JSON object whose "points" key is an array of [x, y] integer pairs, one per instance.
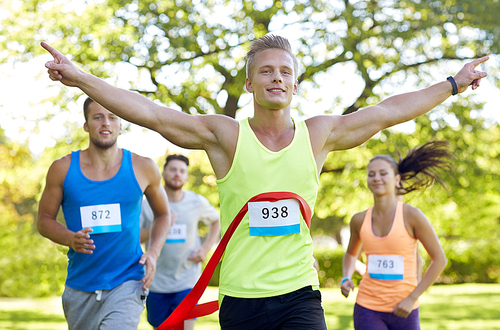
{"points": [[119, 308]]}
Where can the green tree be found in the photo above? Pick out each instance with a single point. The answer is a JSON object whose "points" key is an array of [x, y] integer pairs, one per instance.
{"points": [[31, 265], [465, 213], [29, 262], [193, 51], [190, 55]]}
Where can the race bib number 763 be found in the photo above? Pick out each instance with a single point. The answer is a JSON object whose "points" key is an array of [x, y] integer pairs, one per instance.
{"points": [[386, 267]]}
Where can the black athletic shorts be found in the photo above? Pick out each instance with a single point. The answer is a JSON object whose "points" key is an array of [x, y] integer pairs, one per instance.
{"points": [[298, 310]]}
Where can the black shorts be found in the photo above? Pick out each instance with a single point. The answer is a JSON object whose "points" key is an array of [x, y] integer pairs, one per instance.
{"points": [[299, 309]]}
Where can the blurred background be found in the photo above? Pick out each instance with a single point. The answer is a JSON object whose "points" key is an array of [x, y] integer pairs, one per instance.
{"points": [[189, 55]]}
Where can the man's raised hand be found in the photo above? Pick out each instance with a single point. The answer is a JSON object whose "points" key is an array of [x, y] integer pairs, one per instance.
{"points": [[60, 68], [469, 76]]}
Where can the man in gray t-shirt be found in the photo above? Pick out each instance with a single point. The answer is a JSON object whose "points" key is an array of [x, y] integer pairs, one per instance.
{"points": [[179, 265]]}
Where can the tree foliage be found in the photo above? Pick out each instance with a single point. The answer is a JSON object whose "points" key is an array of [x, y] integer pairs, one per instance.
{"points": [[464, 213], [193, 51], [31, 265], [190, 55]]}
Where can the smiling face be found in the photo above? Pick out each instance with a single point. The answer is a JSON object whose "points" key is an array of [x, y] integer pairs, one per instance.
{"points": [[381, 178], [102, 125], [273, 82]]}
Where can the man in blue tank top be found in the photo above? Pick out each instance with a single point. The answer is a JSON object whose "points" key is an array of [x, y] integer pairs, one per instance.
{"points": [[272, 78], [100, 190]]}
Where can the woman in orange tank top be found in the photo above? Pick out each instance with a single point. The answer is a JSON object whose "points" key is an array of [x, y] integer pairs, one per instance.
{"points": [[388, 233]]}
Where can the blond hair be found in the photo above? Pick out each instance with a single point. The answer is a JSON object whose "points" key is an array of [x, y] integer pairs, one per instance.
{"points": [[269, 41]]}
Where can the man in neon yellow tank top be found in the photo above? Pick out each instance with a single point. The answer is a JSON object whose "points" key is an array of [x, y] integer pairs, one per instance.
{"points": [[267, 276]]}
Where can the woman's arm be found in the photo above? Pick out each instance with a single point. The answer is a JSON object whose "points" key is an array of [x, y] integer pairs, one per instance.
{"points": [[425, 233], [351, 255]]}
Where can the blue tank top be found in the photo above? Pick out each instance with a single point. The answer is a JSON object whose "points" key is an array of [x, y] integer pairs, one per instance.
{"points": [[115, 258]]}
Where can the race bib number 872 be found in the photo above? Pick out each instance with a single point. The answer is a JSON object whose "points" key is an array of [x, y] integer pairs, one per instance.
{"points": [[104, 218], [274, 218]]}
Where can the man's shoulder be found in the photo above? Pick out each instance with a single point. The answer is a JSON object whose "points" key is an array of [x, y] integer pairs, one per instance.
{"points": [[62, 164], [320, 120], [193, 197], [63, 160], [139, 158], [142, 163], [219, 119], [224, 128], [58, 170]]}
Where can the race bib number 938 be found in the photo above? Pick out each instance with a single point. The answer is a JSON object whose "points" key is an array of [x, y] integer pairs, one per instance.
{"points": [[274, 218]]}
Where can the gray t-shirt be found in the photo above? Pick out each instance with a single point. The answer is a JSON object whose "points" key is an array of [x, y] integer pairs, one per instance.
{"points": [[174, 272]]}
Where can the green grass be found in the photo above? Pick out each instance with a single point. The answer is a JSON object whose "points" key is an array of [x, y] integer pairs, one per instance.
{"points": [[466, 306]]}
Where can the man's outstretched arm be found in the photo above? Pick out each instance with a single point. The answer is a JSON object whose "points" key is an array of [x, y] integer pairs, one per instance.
{"points": [[192, 132], [344, 132]]}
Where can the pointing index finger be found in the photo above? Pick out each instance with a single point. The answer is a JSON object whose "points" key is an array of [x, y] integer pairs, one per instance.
{"points": [[51, 50], [480, 60]]}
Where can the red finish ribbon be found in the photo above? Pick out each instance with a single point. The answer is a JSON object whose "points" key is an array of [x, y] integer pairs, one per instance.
{"points": [[188, 309]]}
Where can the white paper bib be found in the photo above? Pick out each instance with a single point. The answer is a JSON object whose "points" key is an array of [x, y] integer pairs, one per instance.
{"points": [[274, 218], [389, 268], [105, 218], [177, 233]]}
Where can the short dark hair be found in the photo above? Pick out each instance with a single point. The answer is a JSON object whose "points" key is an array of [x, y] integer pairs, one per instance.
{"points": [[86, 108], [176, 157]]}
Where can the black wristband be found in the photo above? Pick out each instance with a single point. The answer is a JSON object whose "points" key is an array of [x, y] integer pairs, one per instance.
{"points": [[454, 85]]}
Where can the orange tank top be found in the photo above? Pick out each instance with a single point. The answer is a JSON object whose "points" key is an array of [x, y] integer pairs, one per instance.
{"points": [[391, 265]]}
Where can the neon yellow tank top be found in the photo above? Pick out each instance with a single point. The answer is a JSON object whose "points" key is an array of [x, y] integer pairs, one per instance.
{"points": [[266, 266]]}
